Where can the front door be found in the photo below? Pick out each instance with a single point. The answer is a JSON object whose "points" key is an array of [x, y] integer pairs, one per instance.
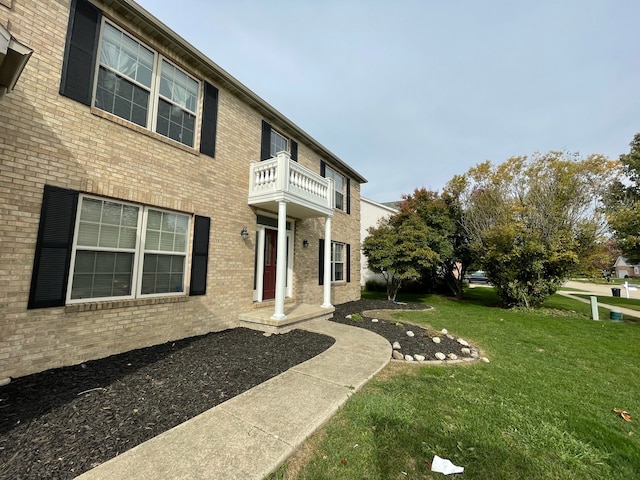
{"points": [[269, 278]]}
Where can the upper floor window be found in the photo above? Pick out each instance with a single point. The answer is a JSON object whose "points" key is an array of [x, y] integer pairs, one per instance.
{"points": [[279, 143], [138, 85], [338, 185], [273, 142]]}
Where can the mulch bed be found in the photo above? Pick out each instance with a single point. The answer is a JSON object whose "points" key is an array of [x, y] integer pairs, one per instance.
{"points": [[60, 423], [420, 344]]}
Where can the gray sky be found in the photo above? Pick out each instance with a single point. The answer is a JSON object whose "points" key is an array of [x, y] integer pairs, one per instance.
{"points": [[412, 92]]}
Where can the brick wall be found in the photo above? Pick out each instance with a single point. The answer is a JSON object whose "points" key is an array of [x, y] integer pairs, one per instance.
{"points": [[50, 139]]}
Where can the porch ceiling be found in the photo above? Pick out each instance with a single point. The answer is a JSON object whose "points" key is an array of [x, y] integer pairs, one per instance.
{"points": [[295, 209]]}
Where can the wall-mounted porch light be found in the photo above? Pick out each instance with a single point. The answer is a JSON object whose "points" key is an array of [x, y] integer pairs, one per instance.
{"points": [[244, 233], [305, 243]]}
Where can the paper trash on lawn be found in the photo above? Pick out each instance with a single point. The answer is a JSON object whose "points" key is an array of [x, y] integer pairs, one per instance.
{"points": [[442, 465]]}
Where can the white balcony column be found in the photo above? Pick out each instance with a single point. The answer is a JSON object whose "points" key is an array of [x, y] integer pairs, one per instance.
{"points": [[326, 301], [281, 261]]}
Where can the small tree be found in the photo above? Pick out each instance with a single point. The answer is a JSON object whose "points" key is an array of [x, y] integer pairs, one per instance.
{"points": [[440, 214], [399, 251]]}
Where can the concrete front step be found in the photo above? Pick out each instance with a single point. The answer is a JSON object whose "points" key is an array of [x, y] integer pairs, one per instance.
{"points": [[296, 315]]}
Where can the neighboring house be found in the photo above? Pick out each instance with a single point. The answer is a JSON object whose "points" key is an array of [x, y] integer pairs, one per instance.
{"points": [[370, 214], [624, 269], [146, 195]]}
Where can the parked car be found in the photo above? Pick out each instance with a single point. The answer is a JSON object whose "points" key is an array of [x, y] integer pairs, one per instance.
{"points": [[477, 277]]}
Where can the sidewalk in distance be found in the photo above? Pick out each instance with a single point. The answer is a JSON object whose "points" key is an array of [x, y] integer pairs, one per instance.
{"points": [[600, 291]]}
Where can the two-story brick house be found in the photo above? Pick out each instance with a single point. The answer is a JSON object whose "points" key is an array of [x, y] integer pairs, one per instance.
{"points": [[146, 195]]}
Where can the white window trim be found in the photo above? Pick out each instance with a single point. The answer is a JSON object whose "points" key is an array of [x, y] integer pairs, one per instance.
{"points": [[154, 89], [334, 262], [139, 251], [287, 139], [332, 173]]}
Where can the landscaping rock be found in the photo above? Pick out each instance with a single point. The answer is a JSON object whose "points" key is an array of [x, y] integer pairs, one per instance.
{"points": [[396, 346], [436, 339], [463, 342], [485, 360], [374, 320], [465, 351], [440, 356], [410, 333], [419, 358], [396, 355], [444, 331], [453, 356], [408, 358]]}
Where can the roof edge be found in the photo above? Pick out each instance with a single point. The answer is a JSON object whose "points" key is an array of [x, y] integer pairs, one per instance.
{"points": [[130, 7]]}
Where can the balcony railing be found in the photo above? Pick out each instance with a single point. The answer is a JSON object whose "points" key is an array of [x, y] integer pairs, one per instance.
{"points": [[280, 178]]}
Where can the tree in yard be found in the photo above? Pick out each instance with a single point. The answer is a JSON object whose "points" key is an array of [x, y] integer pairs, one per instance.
{"points": [[440, 213], [530, 219], [398, 251], [623, 204]]}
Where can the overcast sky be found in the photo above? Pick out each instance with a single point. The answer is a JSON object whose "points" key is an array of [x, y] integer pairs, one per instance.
{"points": [[412, 92]]}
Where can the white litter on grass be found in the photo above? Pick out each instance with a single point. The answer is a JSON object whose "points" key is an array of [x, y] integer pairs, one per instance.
{"points": [[442, 465]]}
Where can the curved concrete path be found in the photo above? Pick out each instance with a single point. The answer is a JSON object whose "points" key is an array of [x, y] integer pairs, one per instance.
{"points": [[600, 291], [249, 436]]}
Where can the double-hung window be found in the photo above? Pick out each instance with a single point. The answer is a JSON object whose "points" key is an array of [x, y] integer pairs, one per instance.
{"points": [[337, 262], [279, 143], [273, 142], [124, 250], [338, 185], [137, 84]]}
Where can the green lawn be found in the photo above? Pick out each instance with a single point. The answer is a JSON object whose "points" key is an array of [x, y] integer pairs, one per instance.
{"points": [[542, 409]]}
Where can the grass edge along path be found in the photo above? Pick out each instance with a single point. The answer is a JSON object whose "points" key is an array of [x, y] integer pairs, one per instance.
{"points": [[543, 407]]}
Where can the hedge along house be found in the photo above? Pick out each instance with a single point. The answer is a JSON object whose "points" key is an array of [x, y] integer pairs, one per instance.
{"points": [[146, 195]]}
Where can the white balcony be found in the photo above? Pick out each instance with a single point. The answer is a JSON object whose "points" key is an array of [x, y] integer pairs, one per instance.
{"points": [[281, 179]]}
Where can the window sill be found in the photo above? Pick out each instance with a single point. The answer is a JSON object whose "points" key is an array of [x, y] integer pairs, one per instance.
{"points": [[156, 136], [110, 304]]}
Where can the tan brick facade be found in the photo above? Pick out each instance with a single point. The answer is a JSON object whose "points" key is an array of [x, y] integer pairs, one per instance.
{"points": [[49, 139]]}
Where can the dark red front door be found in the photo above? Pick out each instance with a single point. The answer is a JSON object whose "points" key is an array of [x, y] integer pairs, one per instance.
{"points": [[270, 248]]}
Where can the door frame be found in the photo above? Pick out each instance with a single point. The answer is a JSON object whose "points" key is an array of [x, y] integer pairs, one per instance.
{"points": [[258, 284]]}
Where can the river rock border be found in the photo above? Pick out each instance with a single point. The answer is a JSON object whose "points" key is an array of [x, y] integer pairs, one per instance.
{"points": [[471, 354]]}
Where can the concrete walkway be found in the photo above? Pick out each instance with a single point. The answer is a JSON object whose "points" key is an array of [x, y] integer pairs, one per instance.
{"points": [[248, 436], [600, 291]]}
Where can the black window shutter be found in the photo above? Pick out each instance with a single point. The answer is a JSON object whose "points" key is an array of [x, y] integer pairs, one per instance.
{"points": [[78, 67], [348, 195], [323, 168], [209, 120], [265, 142], [321, 262], [294, 150], [53, 248], [348, 262], [200, 255]]}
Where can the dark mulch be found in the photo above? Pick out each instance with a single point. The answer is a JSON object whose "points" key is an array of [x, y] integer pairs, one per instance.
{"points": [[62, 422], [420, 344]]}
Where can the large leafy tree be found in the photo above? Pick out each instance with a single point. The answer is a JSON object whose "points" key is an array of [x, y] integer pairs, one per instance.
{"points": [[623, 203], [530, 219]]}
